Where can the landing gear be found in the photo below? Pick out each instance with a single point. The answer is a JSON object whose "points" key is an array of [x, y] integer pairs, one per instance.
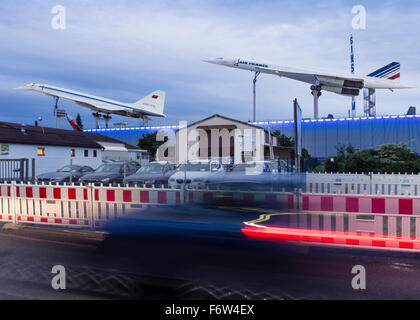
{"points": [[144, 121], [254, 96], [98, 116], [316, 92], [107, 117], [56, 121]]}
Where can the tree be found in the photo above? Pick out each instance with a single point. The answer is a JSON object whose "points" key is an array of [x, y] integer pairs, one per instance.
{"points": [[285, 141], [149, 142], [79, 121], [387, 158]]}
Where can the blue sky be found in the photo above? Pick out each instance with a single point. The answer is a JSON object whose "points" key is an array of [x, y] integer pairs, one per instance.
{"points": [[124, 50]]}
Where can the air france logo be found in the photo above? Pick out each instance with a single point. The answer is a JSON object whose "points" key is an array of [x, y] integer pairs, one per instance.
{"points": [[253, 64]]}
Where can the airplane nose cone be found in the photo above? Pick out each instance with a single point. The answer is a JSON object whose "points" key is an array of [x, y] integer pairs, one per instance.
{"points": [[22, 88], [26, 87], [214, 61], [208, 61]]}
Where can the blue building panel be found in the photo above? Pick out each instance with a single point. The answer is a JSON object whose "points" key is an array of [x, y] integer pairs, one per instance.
{"points": [[322, 136], [366, 133], [343, 136], [331, 131]]}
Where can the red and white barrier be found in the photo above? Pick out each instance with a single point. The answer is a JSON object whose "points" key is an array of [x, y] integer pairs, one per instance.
{"points": [[386, 222], [400, 205], [6, 203], [112, 202], [94, 205], [52, 204]]}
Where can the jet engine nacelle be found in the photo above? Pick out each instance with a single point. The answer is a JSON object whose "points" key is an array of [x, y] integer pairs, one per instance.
{"points": [[353, 84], [343, 91], [331, 82]]}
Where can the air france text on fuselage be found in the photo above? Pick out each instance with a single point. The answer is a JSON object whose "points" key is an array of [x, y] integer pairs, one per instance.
{"points": [[253, 64]]}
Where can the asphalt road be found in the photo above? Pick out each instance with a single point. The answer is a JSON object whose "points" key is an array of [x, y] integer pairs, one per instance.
{"points": [[188, 258]]}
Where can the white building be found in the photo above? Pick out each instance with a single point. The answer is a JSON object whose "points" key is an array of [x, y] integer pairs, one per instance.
{"points": [[52, 148], [118, 150], [220, 138]]}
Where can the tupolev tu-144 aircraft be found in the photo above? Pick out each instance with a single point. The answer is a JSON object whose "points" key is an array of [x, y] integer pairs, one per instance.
{"points": [[345, 84], [151, 105]]}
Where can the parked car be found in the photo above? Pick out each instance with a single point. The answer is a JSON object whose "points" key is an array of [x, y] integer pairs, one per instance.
{"points": [[154, 173], [63, 174], [193, 170], [111, 172]]}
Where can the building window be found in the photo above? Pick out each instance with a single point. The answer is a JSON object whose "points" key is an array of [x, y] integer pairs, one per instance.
{"points": [[40, 152], [86, 153], [72, 152], [95, 153]]}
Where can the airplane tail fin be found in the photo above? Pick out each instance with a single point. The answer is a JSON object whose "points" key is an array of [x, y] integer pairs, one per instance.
{"points": [[73, 123], [154, 102], [390, 71]]}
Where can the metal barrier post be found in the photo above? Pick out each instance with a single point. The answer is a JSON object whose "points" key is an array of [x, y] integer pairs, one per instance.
{"points": [[21, 170], [33, 169], [13, 202], [184, 186], [297, 194], [71, 171], [91, 205]]}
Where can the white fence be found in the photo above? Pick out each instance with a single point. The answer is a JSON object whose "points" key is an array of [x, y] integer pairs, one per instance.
{"points": [[371, 183]]}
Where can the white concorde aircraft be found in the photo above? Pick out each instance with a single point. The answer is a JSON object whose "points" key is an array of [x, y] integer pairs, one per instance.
{"points": [[151, 105], [344, 84]]}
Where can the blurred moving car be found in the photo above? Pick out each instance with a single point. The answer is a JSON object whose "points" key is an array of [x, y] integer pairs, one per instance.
{"points": [[65, 174], [254, 176], [193, 170], [154, 173], [111, 173], [250, 175]]}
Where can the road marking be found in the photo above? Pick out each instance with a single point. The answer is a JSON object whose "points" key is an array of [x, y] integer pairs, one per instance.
{"points": [[79, 245]]}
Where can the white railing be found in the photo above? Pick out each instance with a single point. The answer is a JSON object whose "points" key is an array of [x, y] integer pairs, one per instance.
{"points": [[370, 183]]}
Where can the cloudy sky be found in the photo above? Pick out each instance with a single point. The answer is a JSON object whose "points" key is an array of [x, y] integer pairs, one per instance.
{"points": [[125, 49]]}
